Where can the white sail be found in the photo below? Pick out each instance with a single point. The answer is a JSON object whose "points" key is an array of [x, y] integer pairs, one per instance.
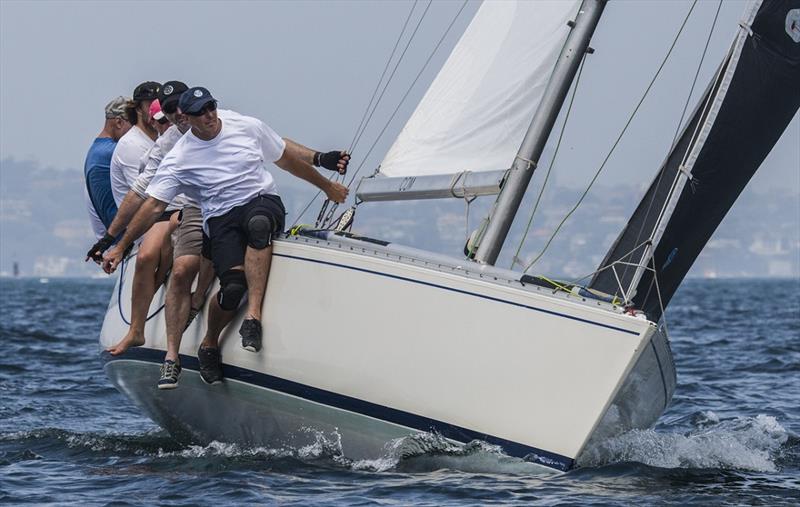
{"points": [[475, 113]]}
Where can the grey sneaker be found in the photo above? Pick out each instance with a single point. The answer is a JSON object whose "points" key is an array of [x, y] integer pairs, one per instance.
{"points": [[251, 335], [210, 364], [170, 372]]}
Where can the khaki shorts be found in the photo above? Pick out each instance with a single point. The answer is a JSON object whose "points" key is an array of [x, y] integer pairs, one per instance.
{"points": [[187, 239]]}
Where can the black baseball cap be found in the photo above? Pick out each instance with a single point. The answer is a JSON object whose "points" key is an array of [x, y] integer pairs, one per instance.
{"points": [[146, 91], [169, 94], [193, 99]]}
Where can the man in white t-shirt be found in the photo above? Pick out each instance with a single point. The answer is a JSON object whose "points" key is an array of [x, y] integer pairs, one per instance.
{"points": [[221, 162]]}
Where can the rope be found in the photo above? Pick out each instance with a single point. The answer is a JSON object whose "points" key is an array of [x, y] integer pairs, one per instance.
{"points": [[616, 143], [678, 129], [119, 293], [552, 162]]}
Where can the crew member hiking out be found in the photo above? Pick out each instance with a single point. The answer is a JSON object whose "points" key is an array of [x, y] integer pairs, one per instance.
{"points": [[221, 163]]}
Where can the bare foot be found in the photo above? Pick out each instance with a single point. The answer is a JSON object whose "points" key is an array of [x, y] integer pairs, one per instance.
{"points": [[132, 339]]}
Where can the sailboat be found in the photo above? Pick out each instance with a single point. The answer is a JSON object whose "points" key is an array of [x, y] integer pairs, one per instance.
{"points": [[372, 341]]}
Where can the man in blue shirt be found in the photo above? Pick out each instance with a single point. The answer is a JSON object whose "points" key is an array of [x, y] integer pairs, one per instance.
{"points": [[96, 168]]}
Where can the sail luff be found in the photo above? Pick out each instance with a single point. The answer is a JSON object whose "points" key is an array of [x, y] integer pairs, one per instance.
{"points": [[683, 175], [505, 208], [753, 104]]}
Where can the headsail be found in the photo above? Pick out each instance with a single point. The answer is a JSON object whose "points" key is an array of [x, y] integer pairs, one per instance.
{"points": [[741, 117], [476, 112]]}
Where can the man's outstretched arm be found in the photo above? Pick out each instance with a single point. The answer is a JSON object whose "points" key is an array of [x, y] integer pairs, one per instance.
{"points": [[147, 215], [289, 162], [332, 160]]}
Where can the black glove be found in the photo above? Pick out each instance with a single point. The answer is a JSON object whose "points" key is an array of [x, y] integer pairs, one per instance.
{"points": [[331, 160], [96, 252]]}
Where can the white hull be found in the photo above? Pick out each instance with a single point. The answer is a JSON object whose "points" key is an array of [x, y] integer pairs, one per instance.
{"points": [[373, 343]]}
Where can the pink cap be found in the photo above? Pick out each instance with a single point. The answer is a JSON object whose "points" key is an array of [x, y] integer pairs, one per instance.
{"points": [[155, 110]]}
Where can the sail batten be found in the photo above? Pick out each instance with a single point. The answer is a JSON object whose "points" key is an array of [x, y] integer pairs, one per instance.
{"points": [[477, 110]]}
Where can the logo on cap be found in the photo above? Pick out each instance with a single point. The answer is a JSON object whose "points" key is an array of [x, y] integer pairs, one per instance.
{"points": [[168, 90], [198, 93]]}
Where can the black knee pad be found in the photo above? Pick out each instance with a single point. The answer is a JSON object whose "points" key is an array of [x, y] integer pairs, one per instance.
{"points": [[232, 288], [259, 231]]}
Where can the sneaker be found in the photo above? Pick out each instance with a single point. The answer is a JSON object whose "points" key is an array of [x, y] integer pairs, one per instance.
{"points": [[251, 335], [170, 371], [192, 315], [210, 364]]}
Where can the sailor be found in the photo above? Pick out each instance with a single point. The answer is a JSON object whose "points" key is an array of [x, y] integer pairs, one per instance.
{"points": [[221, 163], [134, 144], [154, 256], [99, 198], [160, 121]]}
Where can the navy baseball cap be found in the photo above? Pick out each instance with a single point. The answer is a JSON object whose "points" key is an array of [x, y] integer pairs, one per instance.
{"points": [[169, 94], [193, 99], [146, 91]]}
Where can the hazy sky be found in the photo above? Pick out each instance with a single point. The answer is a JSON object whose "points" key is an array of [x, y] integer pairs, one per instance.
{"points": [[308, 68]]}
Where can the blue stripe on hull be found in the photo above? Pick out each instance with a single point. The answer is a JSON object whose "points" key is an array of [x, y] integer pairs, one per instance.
{"points": [[459, 291], [355, 405]]}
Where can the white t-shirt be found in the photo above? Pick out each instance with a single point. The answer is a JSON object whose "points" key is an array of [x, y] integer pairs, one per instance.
{"points": [[222, 173], [125, 161], [149, 165]]}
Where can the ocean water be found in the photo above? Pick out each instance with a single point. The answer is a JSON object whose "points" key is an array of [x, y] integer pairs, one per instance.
{"points": [[730, 436]]}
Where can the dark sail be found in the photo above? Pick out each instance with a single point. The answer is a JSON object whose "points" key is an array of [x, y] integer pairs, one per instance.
{"points": [[752, 102]]}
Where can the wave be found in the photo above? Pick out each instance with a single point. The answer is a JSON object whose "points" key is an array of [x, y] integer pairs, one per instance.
{"points": [[743, 443], [756, 444]]}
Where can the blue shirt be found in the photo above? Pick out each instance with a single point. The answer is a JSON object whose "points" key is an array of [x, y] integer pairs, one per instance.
{"points": [[97, 171]]}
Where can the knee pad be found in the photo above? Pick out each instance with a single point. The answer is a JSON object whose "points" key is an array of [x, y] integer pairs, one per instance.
{"points": [[232, 288], [259, 231]]}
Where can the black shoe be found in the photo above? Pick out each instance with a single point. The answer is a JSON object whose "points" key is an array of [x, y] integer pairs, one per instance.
{"points": [[170, 372], [251, 335], [210, 364]]}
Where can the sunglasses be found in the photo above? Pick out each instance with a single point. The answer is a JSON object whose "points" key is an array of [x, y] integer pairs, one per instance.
{"points": [[211, 106], [170, 107], [163, 120]]}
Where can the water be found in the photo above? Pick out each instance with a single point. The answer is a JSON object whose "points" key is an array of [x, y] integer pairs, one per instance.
{"points": [[729, 437]]}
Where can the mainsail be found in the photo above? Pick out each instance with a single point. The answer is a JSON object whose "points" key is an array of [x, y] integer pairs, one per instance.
{"points": [[740, 118], [476, 112]]}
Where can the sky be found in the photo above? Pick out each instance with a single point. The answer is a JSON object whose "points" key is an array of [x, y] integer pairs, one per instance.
{"points": [[308, 68]]}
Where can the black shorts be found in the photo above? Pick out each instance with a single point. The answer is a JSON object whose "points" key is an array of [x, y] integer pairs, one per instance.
{"points": [[228, 233]]}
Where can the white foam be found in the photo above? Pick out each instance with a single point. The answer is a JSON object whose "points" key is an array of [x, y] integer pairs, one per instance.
{"points": [[744, 443]]}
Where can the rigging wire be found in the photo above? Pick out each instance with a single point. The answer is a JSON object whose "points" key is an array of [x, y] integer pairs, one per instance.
{"points": [[552, 162], [404, 97], [360, 131], [616, 143], [677, 131], [366, 118], [408, 91]]}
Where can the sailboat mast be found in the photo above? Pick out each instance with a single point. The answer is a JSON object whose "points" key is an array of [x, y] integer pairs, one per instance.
{"points": [[507, 204]]}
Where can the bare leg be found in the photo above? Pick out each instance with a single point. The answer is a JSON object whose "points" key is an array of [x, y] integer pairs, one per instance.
{"points": [[165, 262], [256, 269], [144, 287], [203, 282], [179, 297]]}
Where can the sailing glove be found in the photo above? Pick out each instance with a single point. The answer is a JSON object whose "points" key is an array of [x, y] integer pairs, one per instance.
{"points": [[96, 252], [330, 160]]}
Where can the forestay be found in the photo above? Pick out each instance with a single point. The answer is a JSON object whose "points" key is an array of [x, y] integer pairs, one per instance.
{"points": [[476, 112]]}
